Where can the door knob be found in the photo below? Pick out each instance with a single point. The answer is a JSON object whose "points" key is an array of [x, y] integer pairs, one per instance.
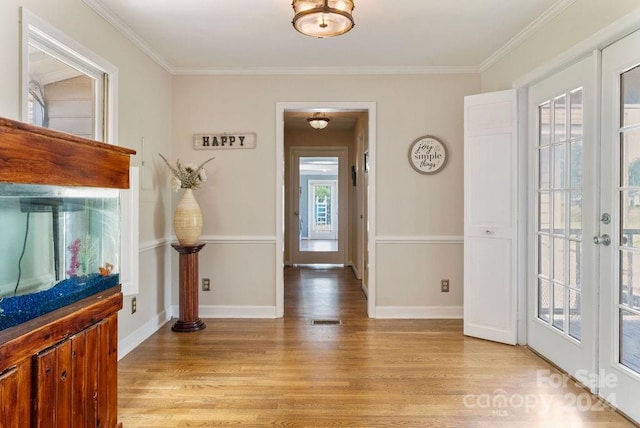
{"points": [[602, 240]]}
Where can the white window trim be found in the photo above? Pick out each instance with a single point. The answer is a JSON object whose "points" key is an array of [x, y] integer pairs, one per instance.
{"points": [[56, 43]]}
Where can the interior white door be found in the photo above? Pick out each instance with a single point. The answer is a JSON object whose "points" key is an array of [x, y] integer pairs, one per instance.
{"points": [[320, 165], [620, 266], [562, 297], [490, 216]]}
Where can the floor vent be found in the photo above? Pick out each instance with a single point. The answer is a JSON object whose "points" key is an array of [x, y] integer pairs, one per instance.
{"points": [[326, 322]]}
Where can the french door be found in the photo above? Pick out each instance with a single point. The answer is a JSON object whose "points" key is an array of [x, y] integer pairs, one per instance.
{"points": [[584, 281], [620, 261], [563, 288]]}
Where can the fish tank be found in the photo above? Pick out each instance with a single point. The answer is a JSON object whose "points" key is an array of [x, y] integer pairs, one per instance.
{"points": [[60, 217], [59, 245]]}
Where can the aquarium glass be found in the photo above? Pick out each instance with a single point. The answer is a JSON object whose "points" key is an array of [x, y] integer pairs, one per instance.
{"points": [[58, 245]]}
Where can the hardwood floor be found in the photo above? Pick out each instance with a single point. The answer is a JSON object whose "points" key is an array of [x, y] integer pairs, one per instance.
{"points": [[361, 373]]}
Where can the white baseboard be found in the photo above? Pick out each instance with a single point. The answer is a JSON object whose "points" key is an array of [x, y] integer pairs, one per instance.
{"points": [[212, 311], [139, 335], [420, 312]]}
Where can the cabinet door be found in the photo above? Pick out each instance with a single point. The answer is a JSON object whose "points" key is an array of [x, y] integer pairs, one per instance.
{"points": [[15, 396], [76, 380]]}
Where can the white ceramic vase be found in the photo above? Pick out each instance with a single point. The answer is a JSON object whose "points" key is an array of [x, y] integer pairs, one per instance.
{"points": [[187, 219]]}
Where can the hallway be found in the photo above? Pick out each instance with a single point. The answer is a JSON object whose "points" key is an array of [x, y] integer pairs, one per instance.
{"points": [[361, 373]]}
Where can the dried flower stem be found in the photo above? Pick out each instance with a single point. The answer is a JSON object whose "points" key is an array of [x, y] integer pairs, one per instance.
{"points": [[187, 176]]}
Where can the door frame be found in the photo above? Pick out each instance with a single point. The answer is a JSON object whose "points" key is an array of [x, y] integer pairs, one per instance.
{"points": [[281, 108]]}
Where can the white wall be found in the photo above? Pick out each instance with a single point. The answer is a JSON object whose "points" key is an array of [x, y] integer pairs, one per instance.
{"points": [[414, 211], [576, 23], [144, 111]]}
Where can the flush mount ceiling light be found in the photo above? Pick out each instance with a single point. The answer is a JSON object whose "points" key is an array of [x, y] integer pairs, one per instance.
{"points": [[318, 120], [323, 18]]}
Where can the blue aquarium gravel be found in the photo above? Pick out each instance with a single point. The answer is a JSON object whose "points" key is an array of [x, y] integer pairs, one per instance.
{"points": [[18, 309]]}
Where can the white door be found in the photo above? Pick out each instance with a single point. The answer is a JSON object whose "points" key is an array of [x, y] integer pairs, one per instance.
{"points": [[562, 312], [319, 180], [490, 216], [620, 266]]}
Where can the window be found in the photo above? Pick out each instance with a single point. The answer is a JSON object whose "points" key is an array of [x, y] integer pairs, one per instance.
{"points": [[71, 89]]}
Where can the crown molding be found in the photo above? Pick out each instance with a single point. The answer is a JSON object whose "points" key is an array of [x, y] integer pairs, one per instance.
{"points": [[324, 70], [128, 33], [526, 32]]}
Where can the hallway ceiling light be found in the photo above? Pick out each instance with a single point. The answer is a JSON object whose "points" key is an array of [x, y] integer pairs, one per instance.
{"points": [[323, 18], [318, 120]]}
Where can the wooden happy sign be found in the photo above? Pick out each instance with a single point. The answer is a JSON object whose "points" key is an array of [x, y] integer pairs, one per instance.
{"points": [[245, 140]]}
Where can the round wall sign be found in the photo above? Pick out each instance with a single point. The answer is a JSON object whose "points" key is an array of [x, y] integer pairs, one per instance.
{"points": [[428, 154]]}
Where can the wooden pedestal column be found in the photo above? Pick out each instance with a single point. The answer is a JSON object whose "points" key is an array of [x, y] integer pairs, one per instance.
{"points": [[188, 320]]}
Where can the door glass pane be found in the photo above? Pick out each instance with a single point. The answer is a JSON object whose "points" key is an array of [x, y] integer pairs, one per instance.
{"points": [[629, 343], [544, 217], [543, 300], [558, 306], [318, 207], [630, 91], [630, 279], [558, 260], [560, 212], [575, 221], [558, 166], [575, 98], [630, 194], [630, 158], [544, 176], [630, 221], [575, 258], [575, 167], [543, 256], [575, 315], [545, 124], [560, 118]]}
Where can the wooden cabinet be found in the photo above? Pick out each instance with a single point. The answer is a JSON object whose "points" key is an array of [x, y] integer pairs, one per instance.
{"points": [[62, 371], [59, 369]]}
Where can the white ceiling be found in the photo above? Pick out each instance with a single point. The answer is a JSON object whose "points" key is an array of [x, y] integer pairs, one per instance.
{"points": [[256, 36]]}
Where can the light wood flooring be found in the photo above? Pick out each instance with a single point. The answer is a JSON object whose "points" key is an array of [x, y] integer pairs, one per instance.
{"points": [[361, 373]]}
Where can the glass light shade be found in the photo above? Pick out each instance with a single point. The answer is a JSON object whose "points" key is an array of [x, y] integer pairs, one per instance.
{"points": [[318, 121], [323, 18]]}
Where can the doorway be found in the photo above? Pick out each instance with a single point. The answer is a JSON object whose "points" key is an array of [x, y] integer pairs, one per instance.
{"points": [[362, 221]]}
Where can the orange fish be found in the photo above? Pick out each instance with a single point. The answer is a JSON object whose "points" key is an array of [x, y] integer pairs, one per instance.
{"points": [[106, 270]]}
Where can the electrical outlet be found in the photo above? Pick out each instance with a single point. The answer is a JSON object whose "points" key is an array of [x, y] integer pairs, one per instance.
{"points": [[134, 305], [444, 286], [206, 284]]}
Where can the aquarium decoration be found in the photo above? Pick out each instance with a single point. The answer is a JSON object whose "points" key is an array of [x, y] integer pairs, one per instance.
{"points": [[83, 256]]}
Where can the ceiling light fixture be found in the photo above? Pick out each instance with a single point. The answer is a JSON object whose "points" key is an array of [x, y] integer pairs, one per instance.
{"points": [[323, 18], [318, 120]]}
